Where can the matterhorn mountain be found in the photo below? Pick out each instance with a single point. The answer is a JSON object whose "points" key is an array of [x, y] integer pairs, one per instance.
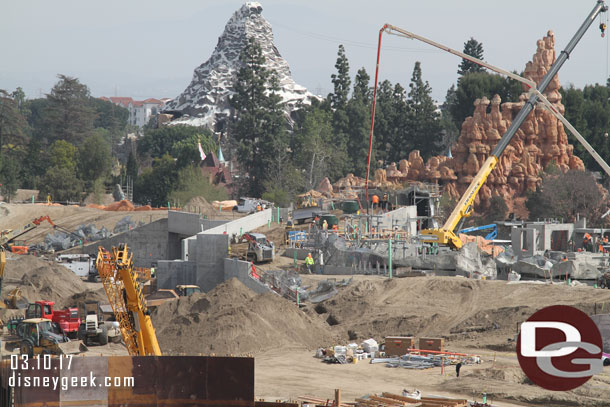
{"points": [[205, 101]]}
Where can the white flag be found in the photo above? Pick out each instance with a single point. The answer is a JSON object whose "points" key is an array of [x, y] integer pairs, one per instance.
{"points": [[201, 151]]}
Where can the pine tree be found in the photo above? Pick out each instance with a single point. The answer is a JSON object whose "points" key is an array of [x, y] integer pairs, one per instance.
{"points": [[359, 115], [424, 124], [475, 49], [341, 81], [13, 126], [258, 127]]}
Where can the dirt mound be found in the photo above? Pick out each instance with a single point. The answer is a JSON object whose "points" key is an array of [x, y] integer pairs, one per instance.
{"points": [[233, 319], [199, 204], [482, 314], [41, 279]]}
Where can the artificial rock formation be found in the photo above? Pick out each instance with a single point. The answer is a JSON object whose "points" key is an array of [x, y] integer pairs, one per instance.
{"points": [[540, 140], [206, 99]]}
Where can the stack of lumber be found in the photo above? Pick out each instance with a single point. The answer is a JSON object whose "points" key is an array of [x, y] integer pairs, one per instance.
{"points": [[394, 400]]}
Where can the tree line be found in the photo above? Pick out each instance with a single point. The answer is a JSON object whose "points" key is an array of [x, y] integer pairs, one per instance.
{"points": [[65, 144]]}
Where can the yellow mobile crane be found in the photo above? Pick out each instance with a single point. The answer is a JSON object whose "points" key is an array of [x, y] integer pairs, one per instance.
{"points": [[446, 235], [125, 295]]}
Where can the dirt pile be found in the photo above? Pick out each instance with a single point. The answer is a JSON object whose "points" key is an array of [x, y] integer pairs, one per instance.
{"points": [[199, 204], [41, 279], [232, 319], [476, 313]]}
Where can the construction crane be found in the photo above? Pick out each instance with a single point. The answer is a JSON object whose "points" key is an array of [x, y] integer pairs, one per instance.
{"points": [[446, 235], [125, 295]]}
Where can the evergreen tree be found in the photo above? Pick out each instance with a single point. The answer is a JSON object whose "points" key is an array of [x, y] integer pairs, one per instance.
{"points": [[475, 49], [10, 177], [451, 131], [423, 117], [258, 128], [13, 126], [359, 114], [475, 85], [68, 114], [390, 121], [341, 81]]}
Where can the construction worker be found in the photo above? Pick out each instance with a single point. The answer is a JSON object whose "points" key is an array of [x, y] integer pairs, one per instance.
{"points": [[587, 243], [309, 262], [325, 225], [384, 203], [259, 208], [375, 202]]}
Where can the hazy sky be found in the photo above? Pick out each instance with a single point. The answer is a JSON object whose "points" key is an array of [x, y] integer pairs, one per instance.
{"points": [[149, 48]]}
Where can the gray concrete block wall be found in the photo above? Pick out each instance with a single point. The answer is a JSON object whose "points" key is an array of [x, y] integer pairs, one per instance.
{"points": [[148, 243], [240, 270], [172, 273], [211, 250]]}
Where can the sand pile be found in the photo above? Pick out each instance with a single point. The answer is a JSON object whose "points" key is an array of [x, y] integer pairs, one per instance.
{"points": [[41, 279], [199, 204], [482, 313], [233, 319]]}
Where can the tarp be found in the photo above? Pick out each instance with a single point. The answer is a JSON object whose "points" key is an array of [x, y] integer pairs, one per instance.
{"points": [[224, 205]]}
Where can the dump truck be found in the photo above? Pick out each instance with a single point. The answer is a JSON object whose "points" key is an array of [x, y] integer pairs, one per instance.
{"points": [[43, 336], [67, 318]]}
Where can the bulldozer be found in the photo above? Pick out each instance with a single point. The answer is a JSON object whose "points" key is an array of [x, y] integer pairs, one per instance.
{"points": [[43, 336]]}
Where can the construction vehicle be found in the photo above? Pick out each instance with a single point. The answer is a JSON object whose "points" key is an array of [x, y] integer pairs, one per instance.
{"points": [[445, 235], [43, 336], [67, 318], [93, 327], [490, 236], [184, 290], [251, 205], [15, 300], [306, 208], [125, 295], [260, 249], [163, 295]]}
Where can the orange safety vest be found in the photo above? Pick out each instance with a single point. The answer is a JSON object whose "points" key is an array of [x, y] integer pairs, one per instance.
{"points": [[375, 199]]}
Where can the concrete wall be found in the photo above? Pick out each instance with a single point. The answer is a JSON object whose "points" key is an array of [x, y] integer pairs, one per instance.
{"points": [[189, 224], [171, 273], [524, 241], [405, 218], [210, 254], [245, 224], [148, 243], [240, 270]]}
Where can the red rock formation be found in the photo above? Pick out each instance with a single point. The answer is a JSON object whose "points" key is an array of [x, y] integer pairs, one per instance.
{"points": [[540, 140]]}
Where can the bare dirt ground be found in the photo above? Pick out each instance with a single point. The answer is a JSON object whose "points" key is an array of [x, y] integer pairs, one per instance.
{"points": [[473, 316], [13, 216]]}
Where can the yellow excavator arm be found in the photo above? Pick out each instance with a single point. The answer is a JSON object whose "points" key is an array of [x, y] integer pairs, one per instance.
{"points": [[125, 295]]}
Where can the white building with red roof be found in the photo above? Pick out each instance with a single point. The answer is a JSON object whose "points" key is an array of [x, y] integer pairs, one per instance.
{"points": [[140, 111]]}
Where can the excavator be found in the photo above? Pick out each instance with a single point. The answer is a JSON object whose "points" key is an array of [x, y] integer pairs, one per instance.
{"points": [[445, 235], [125, 295]]}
